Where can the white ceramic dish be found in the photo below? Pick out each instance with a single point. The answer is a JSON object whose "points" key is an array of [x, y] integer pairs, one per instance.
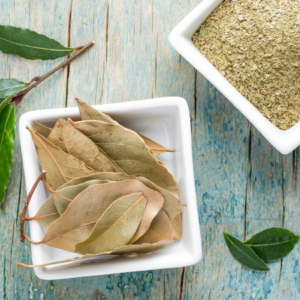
{"points": [[180, 38], [165, 120]]}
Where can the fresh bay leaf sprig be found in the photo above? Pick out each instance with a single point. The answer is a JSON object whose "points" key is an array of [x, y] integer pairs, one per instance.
{"points": [[29, 45], [268, 245]]}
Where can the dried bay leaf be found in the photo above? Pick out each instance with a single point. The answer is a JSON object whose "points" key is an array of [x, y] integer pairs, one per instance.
{"points": [[177, 227], [172, 204], [88, 112], [156, 148], [61, 203], [55, 206], [76, 224], [41, 129], [46, 214], [160, 229], [127, 249], [116, 226], [111, 176], [70, 140], [128, 151], [60, 166]]}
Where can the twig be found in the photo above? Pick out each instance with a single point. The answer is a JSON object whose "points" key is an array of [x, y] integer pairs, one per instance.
{"points": [[35, 81]]}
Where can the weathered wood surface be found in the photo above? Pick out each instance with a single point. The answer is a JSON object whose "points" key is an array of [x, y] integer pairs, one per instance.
{"points": [[243, 184]]}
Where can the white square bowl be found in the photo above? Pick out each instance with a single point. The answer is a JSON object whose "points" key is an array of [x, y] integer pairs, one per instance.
{"points": [[165, 120], [284, 141]]}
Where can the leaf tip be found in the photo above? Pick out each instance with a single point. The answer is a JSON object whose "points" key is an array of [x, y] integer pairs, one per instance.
{"points": [[70, 121], [3, 210], [29, 128]]}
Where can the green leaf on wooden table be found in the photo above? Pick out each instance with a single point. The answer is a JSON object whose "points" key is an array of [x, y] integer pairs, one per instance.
{"points": [[273, 243], [6, 101], [128, 151], [7, 139], [60, 166], [30, 44], [9, 86], [88, 112], [127, 249], [116, 226], [72, 141], [243, 254]]}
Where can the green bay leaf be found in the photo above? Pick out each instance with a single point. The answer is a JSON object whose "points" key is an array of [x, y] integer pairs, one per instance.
{"points": [[9, 86], [30, 44], [243, 254], [6, 101], [7, 139], [273, 243]]}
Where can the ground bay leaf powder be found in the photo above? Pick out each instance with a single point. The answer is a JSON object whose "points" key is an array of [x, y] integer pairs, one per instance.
{"points": [[256, 46]]}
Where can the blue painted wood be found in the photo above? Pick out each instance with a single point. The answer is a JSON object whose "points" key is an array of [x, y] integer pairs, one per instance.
{"points": [[243, 184]]}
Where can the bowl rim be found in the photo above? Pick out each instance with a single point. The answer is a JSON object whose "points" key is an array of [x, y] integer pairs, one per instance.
{"points": [[193, 254], [285, 141]]}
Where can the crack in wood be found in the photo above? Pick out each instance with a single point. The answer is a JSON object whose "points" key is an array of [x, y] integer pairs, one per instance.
{"points": [[102, 83], [107, 26], [283, 209], [20, 194], [164, 285], [156, 49], [97, 79], [248, 181], [181, 282], [11, 246], [69, 45], [195, 97], [295, 168], [4, 280], [152, 19]]}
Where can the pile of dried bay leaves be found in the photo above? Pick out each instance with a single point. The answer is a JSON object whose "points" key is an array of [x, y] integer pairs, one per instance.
{"points": [[109, 192]]}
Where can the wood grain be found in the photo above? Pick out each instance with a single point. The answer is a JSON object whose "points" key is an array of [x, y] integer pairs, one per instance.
{"points": [[243, 184]]}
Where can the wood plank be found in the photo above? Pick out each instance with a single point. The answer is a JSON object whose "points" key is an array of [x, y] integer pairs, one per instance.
{"points": [[220, 150], [133, 60], [49, 18], [141, 63]]}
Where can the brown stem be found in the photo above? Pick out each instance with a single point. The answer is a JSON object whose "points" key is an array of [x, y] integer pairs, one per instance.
{"points": [[39, 79], [42, 176]]}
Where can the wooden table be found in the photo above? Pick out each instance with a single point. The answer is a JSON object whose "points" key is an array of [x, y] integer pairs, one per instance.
{"points": [[243, 184]]}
